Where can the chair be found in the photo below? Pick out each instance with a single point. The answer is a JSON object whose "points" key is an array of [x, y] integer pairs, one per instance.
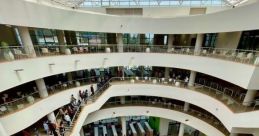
{"points": [[204, 52], [18, 54], [20, 106], [107, 50], [240, 56], [77, 83], [45, 51], [75, 50], [154, 81], [81, 50], [137, 78], [163, 80], [248, 58], [171, 50], [147, 50], [232, 56], [177, 84], [30, 99], [86, 49], [132, 81], [188, 51], [146, 78], [170, 80], [57, 51]]}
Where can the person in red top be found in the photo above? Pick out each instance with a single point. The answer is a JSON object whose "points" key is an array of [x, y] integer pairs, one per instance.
{"points": [[25, 133]]}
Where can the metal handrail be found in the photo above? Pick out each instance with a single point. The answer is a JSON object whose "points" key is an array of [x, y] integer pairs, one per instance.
{"points": [[177, 107], [56, 87], [220, 53]]}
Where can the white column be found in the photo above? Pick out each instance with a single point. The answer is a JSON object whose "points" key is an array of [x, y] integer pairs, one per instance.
{"points": [[26, 41], [186, 106], [122, 99], [123, 126], [42, 88], [198, 43], [250, 95], [192, 78], [61, 40], [167, 72], [170, 41], [69, 76], [181, 130], [163, 127], [2, 130], [51, 117], [119, 39], [82, 132]]}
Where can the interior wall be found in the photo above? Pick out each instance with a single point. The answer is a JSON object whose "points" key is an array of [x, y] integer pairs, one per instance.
{"points": [[228, 40]]}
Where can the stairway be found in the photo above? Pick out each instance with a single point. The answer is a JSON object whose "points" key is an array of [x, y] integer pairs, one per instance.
{"points": [[69, 128]]}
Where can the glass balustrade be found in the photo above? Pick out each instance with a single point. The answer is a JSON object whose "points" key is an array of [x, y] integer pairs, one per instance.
{"points": [[17, 52], [29, 99], [225, 96], [198, 114]]}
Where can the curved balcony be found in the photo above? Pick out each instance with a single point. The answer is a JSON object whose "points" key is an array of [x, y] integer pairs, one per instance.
{"points": [[142, 107], [32, 98], [236, 55], [154, 87], [95, 57]]}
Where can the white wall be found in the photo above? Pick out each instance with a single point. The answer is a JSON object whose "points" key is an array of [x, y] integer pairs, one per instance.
{"points": [[240, 75], [228, 40], [35, 15], [194, 122]]}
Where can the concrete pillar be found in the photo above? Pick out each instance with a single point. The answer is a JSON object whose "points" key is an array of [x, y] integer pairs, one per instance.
{"points": [[192, 78], [198, 43], [61, 37], [186, 106], [170, 41], [119, 38], [2, 130], [42, 88], [82, 132], [122, 99], [69, 76], [61, 41], [250, 95], [26, 41], [167, 72], [181, 130], [51, 117], [163, 127], [123, 126]]}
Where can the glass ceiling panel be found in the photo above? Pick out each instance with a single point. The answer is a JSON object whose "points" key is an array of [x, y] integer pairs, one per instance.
{"points": [[147, 3]]}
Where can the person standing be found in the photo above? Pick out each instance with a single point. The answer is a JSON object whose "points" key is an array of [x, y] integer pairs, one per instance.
{"points": [[46, 127], [92, 89], [62, 128], [67, 119]]}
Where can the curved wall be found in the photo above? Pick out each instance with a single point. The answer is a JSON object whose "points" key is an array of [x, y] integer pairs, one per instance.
{"points": [[38, 110], [29, 115], [194, 122], [236, 73], [40, 16]]}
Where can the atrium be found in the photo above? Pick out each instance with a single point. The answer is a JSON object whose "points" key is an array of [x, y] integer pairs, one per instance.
{"points": [[129, 68]]}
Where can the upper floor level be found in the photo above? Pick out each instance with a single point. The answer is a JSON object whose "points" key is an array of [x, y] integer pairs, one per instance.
{"points": [[41, 16]]}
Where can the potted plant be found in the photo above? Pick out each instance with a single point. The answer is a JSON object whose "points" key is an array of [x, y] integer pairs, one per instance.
{"points": [[7, 54]]}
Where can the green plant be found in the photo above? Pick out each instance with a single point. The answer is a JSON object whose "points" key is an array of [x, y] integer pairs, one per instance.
{"points": [[5, 46]]}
